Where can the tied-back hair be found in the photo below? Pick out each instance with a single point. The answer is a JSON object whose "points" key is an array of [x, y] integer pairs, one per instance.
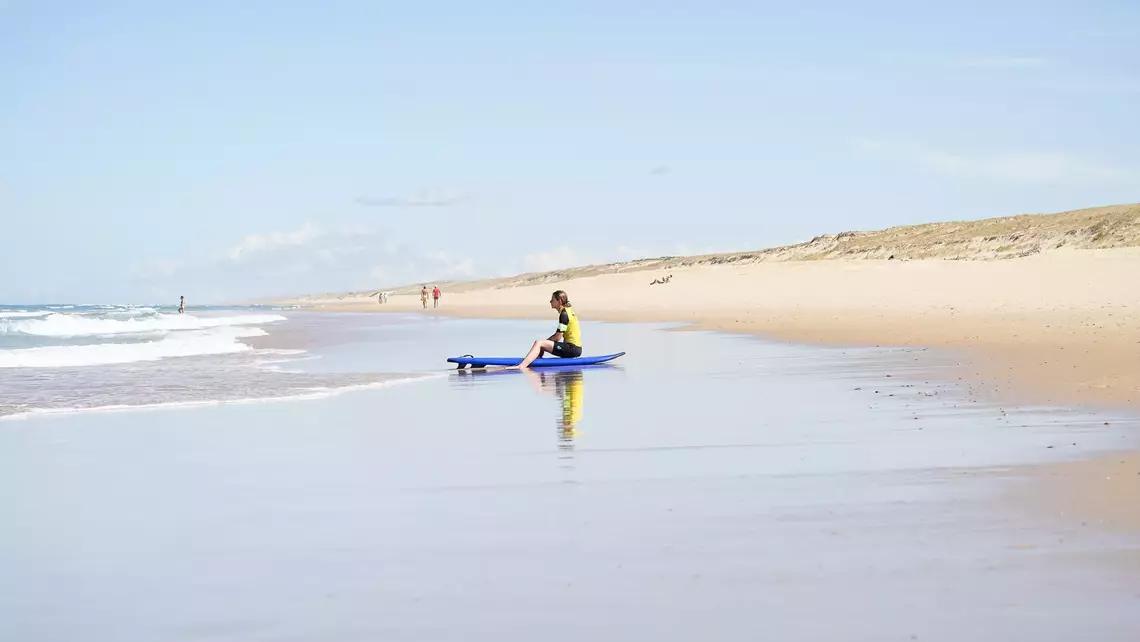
{"points": [[563, 298]]}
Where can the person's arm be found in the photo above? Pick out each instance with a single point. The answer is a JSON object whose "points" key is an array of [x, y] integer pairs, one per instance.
{"points": [[563, 323]]}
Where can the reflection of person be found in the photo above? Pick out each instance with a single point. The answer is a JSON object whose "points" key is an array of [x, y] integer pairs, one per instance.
{"points": [[566, 340], [568, 386]]}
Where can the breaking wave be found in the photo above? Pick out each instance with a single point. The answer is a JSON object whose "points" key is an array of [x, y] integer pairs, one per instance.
{"points": [[73, 325], [211, 341]]}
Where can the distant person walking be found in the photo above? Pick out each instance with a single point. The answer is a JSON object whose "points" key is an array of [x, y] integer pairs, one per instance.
{"points": [[181, 304], [423, 296], [435, 294]]}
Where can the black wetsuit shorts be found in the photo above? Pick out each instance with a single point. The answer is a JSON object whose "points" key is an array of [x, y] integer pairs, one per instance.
{"points": [[566, 350]]}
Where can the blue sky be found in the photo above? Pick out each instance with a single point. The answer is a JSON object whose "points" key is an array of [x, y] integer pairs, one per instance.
{"points": [[225, 149]]}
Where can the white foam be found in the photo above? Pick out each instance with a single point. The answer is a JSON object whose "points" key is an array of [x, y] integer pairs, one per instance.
{"points": [[130, 312], [22, 314], [185, 344], [71, 325], [306, 395]]}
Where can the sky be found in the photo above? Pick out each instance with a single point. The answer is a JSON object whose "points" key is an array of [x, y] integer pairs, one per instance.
{"points": [[224, 150]]}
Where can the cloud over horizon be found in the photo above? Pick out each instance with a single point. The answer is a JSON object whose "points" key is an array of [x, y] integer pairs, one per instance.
{"points": [[1001, 62], [256, 243], [1023, 167], [306, 259], [427, 198]]}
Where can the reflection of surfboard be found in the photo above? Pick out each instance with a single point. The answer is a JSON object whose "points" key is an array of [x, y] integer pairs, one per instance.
{"points": [[479, 362], [554, 369]]}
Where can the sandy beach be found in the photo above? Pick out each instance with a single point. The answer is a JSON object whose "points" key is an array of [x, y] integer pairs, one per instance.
{"points": [[1062, 327]]}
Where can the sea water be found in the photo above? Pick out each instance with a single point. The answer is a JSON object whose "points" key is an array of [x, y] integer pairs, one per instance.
{"points": [[58, 358]]}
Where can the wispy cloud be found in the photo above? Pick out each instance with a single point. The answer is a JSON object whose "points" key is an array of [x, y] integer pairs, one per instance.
{"points": [[1028, 167], [155, 268], [444, 264], [660, 170], [869, 145], [555, 259], [429, 198], [1019, 167], [307, 259], [1093, 85], [257, 243], [1109, 34], [1001, 62]]}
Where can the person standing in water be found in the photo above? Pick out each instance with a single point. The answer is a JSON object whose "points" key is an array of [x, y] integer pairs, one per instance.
{"points": [[181, 304], [566, 341], [435, 293]]}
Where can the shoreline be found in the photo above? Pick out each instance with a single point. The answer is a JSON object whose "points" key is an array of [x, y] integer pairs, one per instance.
{"points": [[1084, 369], [1056, 329], [1062, 328]]}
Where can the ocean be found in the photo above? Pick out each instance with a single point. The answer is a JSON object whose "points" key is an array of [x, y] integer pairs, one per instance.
{"points": [[704, 486], [74, 357]]}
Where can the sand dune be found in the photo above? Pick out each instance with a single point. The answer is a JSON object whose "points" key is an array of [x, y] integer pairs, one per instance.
{"points": [[1116, 226]]}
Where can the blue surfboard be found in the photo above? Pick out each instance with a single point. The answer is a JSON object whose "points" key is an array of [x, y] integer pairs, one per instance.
{"points": [[479, 362]]}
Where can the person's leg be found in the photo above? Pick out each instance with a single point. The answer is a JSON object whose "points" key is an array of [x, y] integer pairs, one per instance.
{"points": [[541, 346]]}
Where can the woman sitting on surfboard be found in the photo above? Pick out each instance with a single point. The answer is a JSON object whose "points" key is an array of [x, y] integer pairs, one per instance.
{"points": [[565, 342]]}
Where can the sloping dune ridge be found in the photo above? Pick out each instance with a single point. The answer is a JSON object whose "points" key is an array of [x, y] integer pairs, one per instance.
{"points": [[1115, 226]]}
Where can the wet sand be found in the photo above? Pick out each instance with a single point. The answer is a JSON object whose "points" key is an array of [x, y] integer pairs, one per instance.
{"points": [[706, 486]]}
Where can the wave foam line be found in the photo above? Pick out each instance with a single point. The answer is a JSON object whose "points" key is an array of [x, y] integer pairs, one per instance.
{"points": [[189, 344], [70, 325], [308, 394]]}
